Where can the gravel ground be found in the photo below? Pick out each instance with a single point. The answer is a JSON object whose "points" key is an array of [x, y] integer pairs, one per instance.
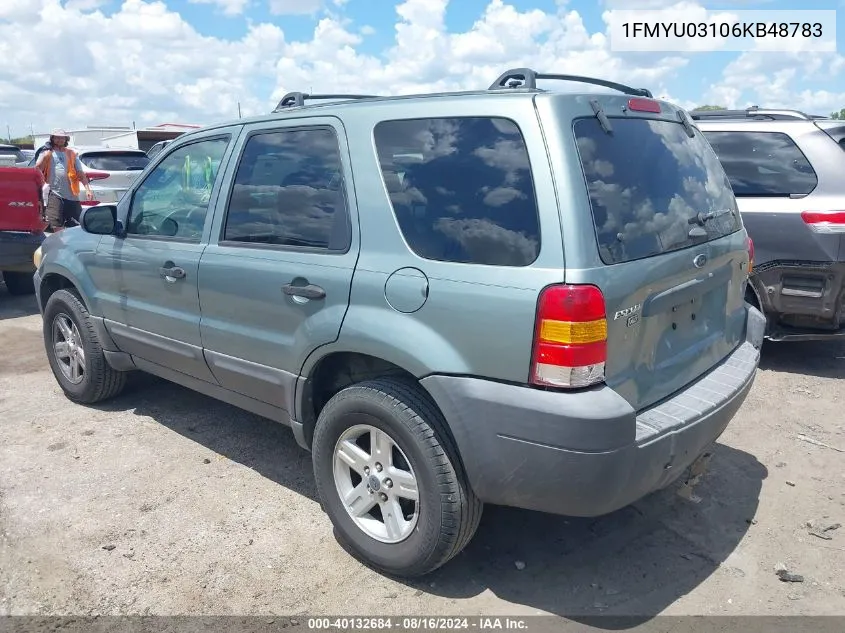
{"points": [[164, 501]]}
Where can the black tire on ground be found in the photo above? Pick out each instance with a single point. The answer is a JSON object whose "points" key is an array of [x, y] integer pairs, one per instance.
{"points": [[449, 511], [18, 283], [99, 380]]}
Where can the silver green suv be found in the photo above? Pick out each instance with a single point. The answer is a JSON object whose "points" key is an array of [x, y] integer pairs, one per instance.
{"points": [[507, 296]]}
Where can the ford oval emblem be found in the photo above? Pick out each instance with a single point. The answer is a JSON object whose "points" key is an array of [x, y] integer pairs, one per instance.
{"points": [[700, 260]]}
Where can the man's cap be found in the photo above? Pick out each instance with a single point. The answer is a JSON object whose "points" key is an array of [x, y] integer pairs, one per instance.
{"points": [[57, 132]]}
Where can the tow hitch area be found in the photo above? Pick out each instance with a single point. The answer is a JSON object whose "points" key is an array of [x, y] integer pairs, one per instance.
{"points": [[694, 474]]}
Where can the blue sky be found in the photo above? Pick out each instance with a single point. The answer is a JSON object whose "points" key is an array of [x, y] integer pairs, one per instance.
{"points": [[702, 70], [193, 60]]}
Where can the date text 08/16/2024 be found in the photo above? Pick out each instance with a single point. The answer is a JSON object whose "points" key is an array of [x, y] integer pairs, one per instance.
{"points": [[417, 623]]}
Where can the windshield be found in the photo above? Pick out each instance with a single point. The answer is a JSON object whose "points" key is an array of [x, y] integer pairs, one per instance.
{"points": [[652, 188], [115, 161]]}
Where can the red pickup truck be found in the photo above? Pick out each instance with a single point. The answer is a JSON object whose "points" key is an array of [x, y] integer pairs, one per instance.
{"points": [[22, 226]]}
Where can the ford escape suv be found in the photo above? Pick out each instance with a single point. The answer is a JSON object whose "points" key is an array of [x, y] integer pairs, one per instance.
{"points": [[506, 296], [786, 169]]}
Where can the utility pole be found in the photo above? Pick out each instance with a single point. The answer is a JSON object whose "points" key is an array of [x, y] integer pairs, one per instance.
{"points": [[8, 133], [239, 110]]}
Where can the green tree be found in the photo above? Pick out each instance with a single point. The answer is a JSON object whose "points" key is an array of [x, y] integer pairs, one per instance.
{"points": [[838, 115], [708, 107]]}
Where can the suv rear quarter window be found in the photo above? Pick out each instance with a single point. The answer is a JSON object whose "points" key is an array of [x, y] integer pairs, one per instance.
{"points": [[648, 182], [763, 163], [461, 189]]}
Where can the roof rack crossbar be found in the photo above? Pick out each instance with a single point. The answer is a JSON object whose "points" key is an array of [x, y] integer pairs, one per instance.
{"points": [[528, 78], [297, 99], [750, 113]]}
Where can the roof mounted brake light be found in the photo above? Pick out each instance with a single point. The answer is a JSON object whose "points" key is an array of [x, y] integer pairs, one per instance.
{"points": [[641, 104]]}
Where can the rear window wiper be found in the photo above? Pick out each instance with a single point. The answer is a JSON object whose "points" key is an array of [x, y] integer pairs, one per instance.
{"points": [[702, 218], [601, 116]]}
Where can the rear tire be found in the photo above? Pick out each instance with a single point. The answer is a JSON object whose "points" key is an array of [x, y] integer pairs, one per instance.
{"points": [[421, 456], [18, 283], [85, 378]]}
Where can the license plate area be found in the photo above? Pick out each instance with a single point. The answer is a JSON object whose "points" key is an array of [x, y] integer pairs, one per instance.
{"points": [[691, 326]]}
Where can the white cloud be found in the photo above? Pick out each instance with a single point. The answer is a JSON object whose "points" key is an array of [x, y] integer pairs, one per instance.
{"points": [[778, 80], [23, 12], [85, 5], [229, 7], [168, 71]]}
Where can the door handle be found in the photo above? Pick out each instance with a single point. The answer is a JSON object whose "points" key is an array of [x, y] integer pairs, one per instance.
{"points": [[172, 273], [308, 292]]}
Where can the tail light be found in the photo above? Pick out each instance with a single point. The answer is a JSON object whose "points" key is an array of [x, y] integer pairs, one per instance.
{"points": [[570, 337], [97, 175], [825, 221], [750, 254], [89, 203]]}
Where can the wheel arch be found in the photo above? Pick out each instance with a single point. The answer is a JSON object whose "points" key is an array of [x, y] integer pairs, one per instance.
{"points": [[59, 278], [337, 370]]}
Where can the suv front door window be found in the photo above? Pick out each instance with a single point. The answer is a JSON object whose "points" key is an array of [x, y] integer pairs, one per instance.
{"points": [[173, 200]]}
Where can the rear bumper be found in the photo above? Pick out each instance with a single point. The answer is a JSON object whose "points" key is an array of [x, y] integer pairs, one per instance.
{"points": [[588, 453], [802, 300], [16, 250]]}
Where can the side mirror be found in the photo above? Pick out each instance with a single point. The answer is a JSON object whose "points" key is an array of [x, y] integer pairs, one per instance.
{"points": [[100, 220], [169, 227]]}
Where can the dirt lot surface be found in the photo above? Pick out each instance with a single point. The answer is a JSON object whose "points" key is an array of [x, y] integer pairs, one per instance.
{"points": [[164, 501]]}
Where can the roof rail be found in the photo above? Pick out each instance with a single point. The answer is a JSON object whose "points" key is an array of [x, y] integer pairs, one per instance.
{"points": [[297, 99], [754, 112], [528, 79]]}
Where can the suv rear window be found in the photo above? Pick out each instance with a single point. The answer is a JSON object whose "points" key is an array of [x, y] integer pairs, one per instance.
{"points": [[647, 181], [763, 163], [461, 189], [115, 161]]}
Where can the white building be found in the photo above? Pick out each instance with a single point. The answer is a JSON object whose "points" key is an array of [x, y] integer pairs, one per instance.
{"points": [[122, 137]]}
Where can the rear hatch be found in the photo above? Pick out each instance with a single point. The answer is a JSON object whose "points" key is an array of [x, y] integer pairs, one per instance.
{"points": [[112, 172], [659, 232], [20, 200]]}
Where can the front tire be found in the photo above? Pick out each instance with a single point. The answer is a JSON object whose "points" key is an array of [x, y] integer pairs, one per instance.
{"points": [[18, 283], [390, 479], [75, 353]]}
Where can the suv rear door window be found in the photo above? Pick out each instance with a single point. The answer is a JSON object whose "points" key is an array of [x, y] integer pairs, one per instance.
{"points": [[289, 191], [648, 183], [115, 161], [461, 189], [763, 163]]}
